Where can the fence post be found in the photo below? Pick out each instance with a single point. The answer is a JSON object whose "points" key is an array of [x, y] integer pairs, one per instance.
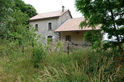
{"points": [[68, 47]]}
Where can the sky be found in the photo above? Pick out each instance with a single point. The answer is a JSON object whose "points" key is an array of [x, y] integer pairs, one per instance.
{"points": [[54, 5]]}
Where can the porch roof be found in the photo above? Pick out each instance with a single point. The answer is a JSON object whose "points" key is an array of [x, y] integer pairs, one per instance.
{"points": [[73, 25]]}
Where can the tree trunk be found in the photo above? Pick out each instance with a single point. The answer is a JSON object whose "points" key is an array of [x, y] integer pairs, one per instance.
{"points": [[114, 24]]}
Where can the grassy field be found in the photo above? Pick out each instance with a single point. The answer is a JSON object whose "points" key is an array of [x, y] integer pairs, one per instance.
{"points": [[79, 66]]}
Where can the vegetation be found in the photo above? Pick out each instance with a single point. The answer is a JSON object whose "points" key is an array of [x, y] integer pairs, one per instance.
{"points": [[93, 36], [24, 59], [107, 13], [13, 19], [79, 65]]}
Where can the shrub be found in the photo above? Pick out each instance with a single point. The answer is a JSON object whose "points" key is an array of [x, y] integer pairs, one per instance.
{"points": [[59, 47], [38, 53]]}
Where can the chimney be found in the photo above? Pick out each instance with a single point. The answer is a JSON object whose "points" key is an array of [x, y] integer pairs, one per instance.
{"points": [[63, 8]]}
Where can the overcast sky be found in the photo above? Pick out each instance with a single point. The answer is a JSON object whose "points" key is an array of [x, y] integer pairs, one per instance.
{"points": [[53, 5]]}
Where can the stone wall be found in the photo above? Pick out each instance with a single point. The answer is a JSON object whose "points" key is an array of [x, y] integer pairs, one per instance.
{"points": [[43, 27]]}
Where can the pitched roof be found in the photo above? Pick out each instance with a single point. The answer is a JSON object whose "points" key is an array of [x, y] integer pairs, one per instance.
{"points": [[49, 15], [73, 25]]}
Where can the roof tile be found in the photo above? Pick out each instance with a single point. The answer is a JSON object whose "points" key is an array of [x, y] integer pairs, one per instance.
{"points": [[48, 15], [73, 25]]}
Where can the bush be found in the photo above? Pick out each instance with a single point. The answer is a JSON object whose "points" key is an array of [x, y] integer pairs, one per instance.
{"points": [[38, 53], [59, 47]]}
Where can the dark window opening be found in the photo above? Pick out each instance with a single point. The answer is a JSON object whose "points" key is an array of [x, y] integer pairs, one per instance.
{"points": [[68, 38], [28, 27], [36, 27], [49, 38], [49, 26]]}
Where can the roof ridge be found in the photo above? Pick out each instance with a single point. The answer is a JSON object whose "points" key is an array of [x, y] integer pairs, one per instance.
{"points": [[49, 15], [52, 11]]}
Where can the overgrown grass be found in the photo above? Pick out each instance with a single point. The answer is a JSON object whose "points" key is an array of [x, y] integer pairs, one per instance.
{"points": [[79, 66]]}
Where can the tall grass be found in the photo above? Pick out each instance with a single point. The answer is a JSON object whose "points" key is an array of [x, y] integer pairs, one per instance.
{"points": [[81, 65]]}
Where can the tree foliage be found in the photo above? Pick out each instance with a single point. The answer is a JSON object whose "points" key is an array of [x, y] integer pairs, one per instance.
{"points": [[92, 36], [108, 13], [25, 8], [5, 11], [13, 19]]}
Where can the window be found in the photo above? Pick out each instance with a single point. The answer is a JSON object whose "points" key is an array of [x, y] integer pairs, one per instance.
{"points": [[36, 27], [49, 38], [68, 38], [49, 26]]}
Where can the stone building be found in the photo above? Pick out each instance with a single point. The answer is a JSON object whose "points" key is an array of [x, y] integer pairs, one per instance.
{"points": [[59, 25], [47, 23]]}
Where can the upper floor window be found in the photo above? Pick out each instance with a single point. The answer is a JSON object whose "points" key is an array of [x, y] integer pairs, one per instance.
{"points": [[49, 26], [36, 27], [68, 38]]}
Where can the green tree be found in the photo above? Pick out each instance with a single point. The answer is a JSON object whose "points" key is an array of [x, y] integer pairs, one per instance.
{"points": [[93, 36], [5, 11], [25, 8], [108, 13], [13, 18], [14, 25]]}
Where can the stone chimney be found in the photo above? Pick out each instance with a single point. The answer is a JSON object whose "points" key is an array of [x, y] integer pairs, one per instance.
{"points": [[63, 8]]}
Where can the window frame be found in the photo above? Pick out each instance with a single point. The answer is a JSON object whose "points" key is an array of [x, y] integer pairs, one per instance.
{"points": [[49, 26], [36, 27], [68, 38], [50, 38]]}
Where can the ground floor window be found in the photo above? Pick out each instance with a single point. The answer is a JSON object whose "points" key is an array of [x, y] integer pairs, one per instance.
{"points": [[68, 38], [49, 38]]}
